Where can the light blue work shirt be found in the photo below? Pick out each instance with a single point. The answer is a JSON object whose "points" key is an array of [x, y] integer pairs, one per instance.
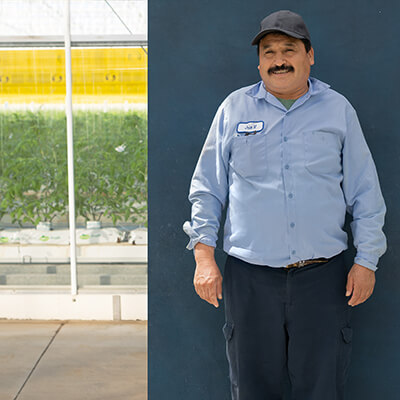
{"points": [[287, 177]]}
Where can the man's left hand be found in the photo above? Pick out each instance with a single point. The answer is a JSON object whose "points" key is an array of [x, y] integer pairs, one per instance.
{"points": [[360, 282]]}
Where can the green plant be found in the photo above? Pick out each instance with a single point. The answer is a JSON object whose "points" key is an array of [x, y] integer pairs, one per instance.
{"points": [[110, 165], [33, 166]]}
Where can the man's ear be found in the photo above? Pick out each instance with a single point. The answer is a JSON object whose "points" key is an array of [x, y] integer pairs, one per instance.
{"points": [[310, 55], [258, 67]]}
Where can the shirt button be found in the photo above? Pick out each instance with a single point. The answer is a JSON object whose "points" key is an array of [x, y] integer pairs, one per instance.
{"points": [[290, 195], [292, 224], [285, 139], [287, 166]]}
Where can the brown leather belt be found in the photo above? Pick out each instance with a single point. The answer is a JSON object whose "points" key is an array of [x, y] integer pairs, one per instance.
{"points": [[302, 263]]}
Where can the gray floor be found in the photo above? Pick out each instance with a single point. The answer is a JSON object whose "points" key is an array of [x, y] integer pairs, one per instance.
{"points": [[73, 360]]}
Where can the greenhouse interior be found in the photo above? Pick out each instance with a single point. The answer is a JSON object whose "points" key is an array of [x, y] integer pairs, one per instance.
{"points": [[73, 160]]}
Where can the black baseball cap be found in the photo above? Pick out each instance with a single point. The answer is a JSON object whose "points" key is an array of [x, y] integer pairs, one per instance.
{"points": [[284, 21]]}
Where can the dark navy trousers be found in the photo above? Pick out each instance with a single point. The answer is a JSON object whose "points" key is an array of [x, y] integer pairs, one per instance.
{"points": [[294, 320]]}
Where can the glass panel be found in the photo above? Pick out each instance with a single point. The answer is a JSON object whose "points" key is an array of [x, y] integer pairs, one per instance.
{"points": [[110, 134], [33, 173], [88, 17]]}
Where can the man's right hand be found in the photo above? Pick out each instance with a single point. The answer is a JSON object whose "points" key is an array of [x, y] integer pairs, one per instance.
{"points": [[207, 277]]}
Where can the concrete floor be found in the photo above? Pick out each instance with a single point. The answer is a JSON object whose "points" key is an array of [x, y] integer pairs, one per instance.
{"points": [[73, 360]]}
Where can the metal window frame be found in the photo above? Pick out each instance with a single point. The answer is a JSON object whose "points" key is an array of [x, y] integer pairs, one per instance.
{"points": [[76, 41]]}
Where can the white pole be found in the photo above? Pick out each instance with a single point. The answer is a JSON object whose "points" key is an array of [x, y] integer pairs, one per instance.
{"points": [[70, 145]]}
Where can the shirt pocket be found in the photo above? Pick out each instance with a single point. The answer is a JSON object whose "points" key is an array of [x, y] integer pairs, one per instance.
{"points": [[249, 155], [323, 152]]}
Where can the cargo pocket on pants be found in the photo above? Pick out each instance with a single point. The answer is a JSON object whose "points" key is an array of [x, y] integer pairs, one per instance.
{"points": [[230, 353], [346, 349]]}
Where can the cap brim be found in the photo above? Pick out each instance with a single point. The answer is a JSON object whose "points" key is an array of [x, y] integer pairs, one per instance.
{"points": [[263, 33]]}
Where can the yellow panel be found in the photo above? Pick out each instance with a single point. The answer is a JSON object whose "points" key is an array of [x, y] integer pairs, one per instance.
{"points": [[115, 75]]}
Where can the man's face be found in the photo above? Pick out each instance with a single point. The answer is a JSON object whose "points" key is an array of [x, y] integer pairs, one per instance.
{"points": [[284, 65]]}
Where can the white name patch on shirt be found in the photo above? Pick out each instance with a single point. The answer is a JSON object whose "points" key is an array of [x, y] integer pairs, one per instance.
{"points": [[251, 127]]}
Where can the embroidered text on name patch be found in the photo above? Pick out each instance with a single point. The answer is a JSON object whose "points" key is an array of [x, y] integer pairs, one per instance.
{"points": [[250, 127]]}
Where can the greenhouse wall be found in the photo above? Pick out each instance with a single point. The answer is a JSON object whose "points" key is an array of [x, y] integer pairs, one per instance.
{"points": [[109, 96]]}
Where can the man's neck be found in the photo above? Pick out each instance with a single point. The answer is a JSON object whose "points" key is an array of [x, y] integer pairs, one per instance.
{"points": [[289, 96]]}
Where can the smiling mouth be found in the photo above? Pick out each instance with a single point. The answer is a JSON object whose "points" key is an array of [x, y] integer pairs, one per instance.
{"points": [[281, 72]]}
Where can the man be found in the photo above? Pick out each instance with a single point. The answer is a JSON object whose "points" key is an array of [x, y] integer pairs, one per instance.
{"points": [[289, 158]]}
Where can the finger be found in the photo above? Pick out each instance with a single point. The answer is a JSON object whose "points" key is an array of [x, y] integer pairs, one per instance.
{"points": [[363, 294], [360, 300], [219, 289], [354, 300], [212, 295], [200, 286], [196, 286], [367, 291], [349, 285], [366, 295], [200, 291], [355, 297]]}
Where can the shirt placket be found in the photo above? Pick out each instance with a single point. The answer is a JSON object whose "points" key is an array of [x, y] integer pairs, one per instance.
{"points": [[288, 175]]}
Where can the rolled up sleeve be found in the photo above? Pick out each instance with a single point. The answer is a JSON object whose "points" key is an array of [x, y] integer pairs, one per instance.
{"points": [[209, 186], [363, 195]]}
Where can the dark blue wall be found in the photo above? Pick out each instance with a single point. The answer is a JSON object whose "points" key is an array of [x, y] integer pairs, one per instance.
{"points": [[199, 51]]}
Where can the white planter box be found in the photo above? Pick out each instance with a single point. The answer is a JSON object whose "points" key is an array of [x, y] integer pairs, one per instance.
{"points": [[51, 253]]}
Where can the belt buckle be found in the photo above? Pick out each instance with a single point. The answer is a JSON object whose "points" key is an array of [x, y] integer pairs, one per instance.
{"points": [[296, 264]]}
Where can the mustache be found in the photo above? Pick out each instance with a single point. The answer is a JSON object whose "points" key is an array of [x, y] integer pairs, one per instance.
{"points": [[282, 67]]}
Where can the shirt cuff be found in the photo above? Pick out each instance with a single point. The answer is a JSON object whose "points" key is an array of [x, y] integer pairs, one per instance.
{"points": [[196, 238], [367, 260]]}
